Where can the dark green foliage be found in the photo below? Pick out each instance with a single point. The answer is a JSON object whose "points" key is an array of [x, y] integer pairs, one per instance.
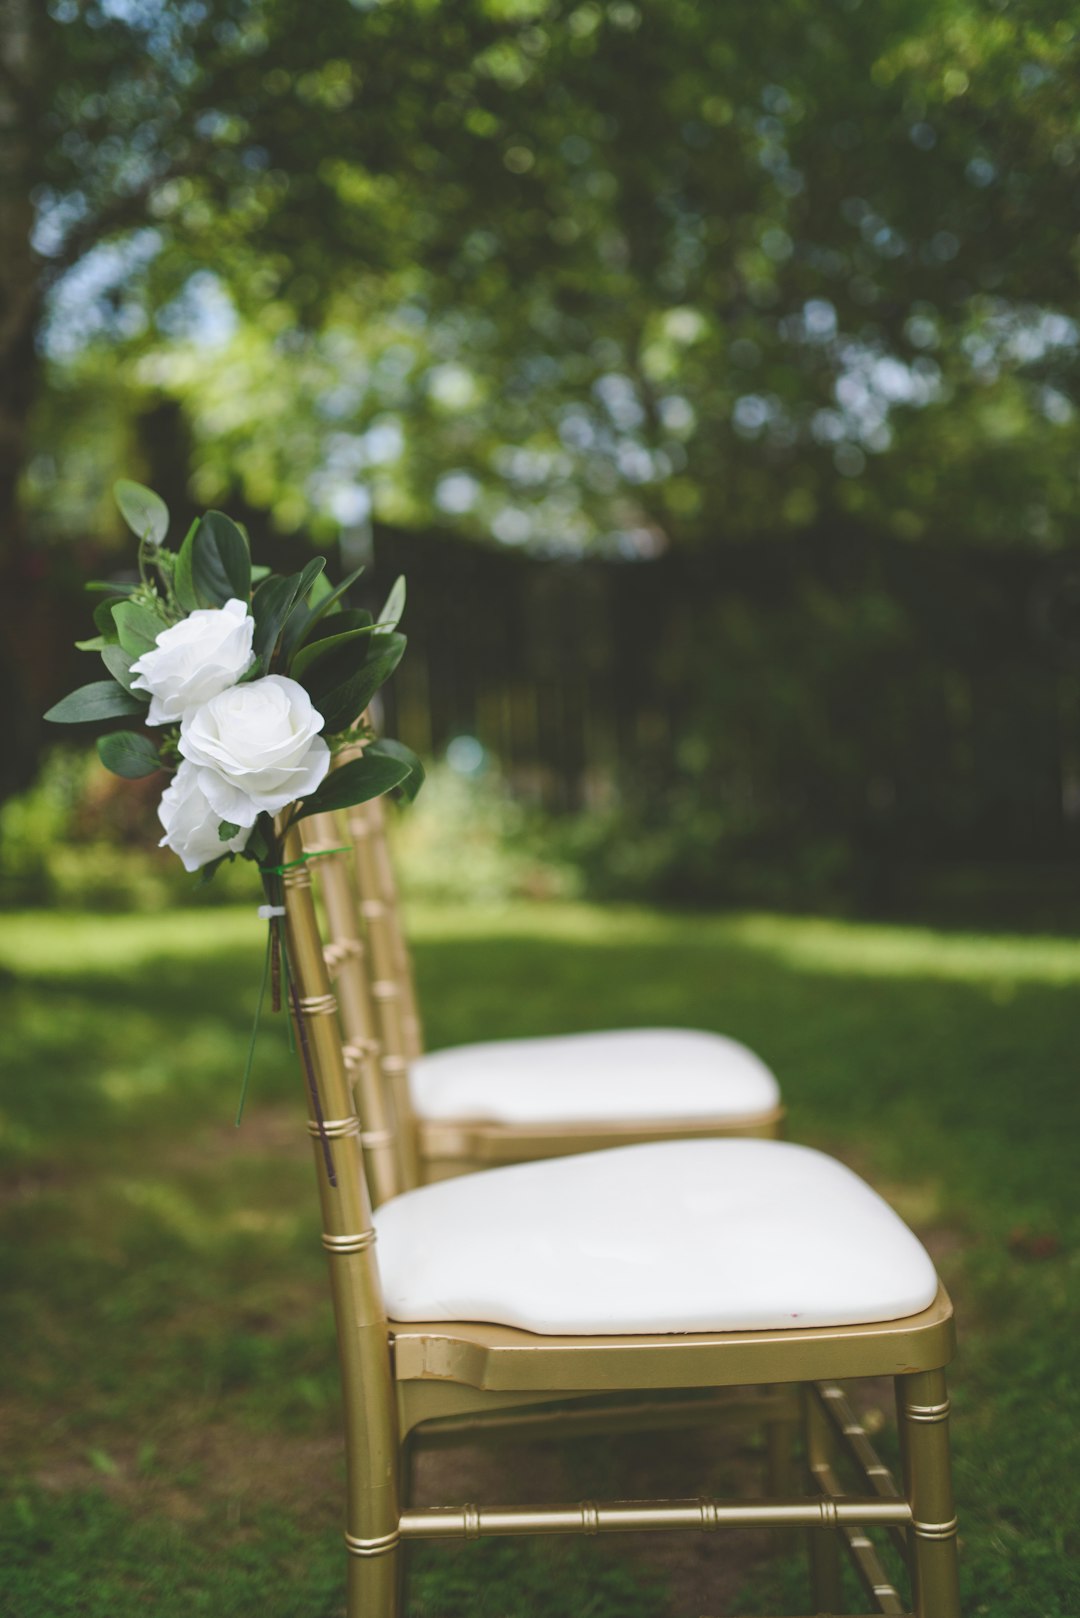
{"points": [[138, 626], [220, 561], [129, 753], [311, 613], [272, 604], [104, 620], [102, 699], [387, 747], [731, 226], [340, 690], [118, 662], [358, 781], [145, 513], [343, 666], [394, 605], [337, 634]]}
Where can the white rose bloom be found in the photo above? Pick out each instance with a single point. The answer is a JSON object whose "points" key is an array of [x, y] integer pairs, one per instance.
{"points": [[205, 653], [256, 748], [191, 826]]}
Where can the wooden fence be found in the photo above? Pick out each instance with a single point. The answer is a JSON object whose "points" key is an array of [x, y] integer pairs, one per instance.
{"points": [[927, 696]]}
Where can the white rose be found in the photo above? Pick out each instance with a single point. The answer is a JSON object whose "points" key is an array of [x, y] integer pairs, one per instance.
{"points": [[191, 826], [256, 748], [205, 653]]}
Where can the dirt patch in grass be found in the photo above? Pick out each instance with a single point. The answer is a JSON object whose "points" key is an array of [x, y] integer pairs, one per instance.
{"points": [[264, 1131], [24, 1185], [215, 1469]]}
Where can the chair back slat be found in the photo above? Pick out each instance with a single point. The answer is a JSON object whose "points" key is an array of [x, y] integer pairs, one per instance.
{"points": [[413, 1028], [385, 988], [371, 1437], [344, 954]]}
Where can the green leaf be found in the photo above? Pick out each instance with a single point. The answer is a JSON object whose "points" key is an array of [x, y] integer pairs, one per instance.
{"points": [[137, 626], [102, 699], [301, 613], [297, 612], [356, 782], [320, 590], [183, 580], [103, 619], [257, 846], [220, 561], [145, 512], [207, 872], [227, 830], [386, 747], [325, 603], [308, 578], [394, 605], [118, 662], [340, 695], [96, 645], [270, 607], [110, 586], [127, 753], [327, 643], [336, 623], [259, 572]]}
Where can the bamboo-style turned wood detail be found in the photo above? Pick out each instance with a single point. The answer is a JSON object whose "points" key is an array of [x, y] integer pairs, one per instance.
{"points": [[384, 989], [345, 957], [412, 1023], [633, 1516], [372, 1449]]}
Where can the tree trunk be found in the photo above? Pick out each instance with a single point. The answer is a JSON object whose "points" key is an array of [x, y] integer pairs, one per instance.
{"points": [[22, 605]]}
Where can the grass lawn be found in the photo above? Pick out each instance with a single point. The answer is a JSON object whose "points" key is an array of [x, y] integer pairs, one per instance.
{"points": [[167, 1382]]}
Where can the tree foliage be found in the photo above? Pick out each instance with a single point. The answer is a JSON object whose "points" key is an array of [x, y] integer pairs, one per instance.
{"points": [[570, 273], [590, 271]]}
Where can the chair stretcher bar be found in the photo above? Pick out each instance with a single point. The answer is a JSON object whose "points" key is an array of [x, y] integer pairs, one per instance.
{"points": [[630, 1516]]}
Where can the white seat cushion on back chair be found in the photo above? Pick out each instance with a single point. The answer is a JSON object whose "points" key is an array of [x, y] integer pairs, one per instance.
{"points": [[682, 1236], [630, 1075]]}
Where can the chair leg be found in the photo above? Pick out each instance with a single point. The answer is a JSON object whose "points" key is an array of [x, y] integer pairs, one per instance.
{"points": [[824, 1544], [375, 1585], [780, 1433], [922, 1407]]}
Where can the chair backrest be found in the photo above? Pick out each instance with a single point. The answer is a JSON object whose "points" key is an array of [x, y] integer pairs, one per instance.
{"points": [[348, 1234], [385, 1136], [388, 995], [412, 1025]]}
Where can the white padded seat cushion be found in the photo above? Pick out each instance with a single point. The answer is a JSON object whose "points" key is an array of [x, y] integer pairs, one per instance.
{"points": [[680, 1236], [631, 1074]]}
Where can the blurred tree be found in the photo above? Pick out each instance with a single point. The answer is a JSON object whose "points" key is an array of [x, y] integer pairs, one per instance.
{"points": [[569, 273], [618, 272]]}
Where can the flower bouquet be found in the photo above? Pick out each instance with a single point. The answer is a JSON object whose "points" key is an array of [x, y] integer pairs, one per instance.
{"points": [[246, 685]]}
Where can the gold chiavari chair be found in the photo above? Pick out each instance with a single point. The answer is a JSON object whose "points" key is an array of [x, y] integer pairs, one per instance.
{"points": [[576, 1291], [508, 1101]]}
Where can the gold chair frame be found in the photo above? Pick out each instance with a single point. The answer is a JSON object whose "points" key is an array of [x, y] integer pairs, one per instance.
{"points": [[440, 1149], [404, 1383]]}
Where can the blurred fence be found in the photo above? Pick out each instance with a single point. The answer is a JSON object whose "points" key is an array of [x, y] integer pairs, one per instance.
{"points": [[924, 703]]}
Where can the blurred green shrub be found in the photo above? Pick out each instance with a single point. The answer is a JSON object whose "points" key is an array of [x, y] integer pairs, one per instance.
{"points": [[466, 840], [82, 839]]}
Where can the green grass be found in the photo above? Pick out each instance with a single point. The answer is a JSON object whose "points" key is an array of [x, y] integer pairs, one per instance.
{"points": [[167, 1388]]}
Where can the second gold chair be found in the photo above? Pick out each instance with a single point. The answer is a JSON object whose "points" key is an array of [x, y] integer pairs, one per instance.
{"points": [[508, 1101]]}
